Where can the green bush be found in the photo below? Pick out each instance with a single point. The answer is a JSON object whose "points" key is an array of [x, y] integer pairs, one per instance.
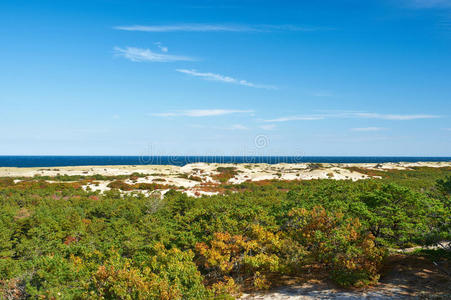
{"points": [[57, 240]]}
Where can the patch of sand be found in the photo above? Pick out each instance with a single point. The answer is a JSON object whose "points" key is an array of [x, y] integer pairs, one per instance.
{"points": [[404, 277], [190, 177]]}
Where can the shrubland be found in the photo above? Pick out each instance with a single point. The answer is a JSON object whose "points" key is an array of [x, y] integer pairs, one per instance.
{"points": [[58, 241]]}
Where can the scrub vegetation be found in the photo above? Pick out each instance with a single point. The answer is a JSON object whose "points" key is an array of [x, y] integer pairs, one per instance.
{"points": [[58, 241]]}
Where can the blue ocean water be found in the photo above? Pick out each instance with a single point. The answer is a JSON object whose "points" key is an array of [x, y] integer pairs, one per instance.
{"points": [[61, 161]]}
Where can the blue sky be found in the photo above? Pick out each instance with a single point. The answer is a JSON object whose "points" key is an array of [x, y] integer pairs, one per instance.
{"points": [[225, 77]]}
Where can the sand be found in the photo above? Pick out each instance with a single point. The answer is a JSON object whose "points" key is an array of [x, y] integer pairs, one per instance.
{"points": [[403, 277], [204, 173]]}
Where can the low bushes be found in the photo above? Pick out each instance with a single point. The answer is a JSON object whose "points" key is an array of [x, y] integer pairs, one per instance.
{"points": [[225, 173], [117, 184], [250, 256], [340, 244], [167, 274], [59, 241]]}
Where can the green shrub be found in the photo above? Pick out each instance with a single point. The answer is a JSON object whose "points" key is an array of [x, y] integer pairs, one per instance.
{"points": [[117, 184], [350, 255], [57, 240]]}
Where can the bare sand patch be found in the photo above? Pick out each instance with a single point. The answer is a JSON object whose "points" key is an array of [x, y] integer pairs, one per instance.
{"points": [[193, 177]]}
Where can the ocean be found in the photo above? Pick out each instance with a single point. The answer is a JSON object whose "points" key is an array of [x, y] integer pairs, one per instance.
{"points": [[61, 161]]}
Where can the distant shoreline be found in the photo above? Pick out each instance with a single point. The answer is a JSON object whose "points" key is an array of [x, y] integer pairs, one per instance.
{"points": [[72, 161], [320, 170]]}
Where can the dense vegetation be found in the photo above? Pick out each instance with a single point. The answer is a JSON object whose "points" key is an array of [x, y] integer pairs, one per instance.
{"points": [[60, 242]]}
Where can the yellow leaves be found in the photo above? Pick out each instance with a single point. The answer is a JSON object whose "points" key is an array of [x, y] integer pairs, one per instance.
{"points": [[168, 275], [307, 222], [358, 268], [226, 286], [349, 264], [265, 239], [262, 261], [223, 251], [77, 261], [126, 282], [260, 282], [338, 242], [353, 235], [86, 221], [167, 291], [251, 255]]}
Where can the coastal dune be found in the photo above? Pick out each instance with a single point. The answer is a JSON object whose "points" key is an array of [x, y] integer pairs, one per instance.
{"points": [[253, 171], [199, 179]]}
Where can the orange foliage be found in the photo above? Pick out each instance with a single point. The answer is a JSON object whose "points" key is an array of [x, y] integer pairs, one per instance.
{"points": [[225, 173], [338, 242], [117, 184], [124, 281], [210, 187], [368, 172], [70, 239], [253, 256]]}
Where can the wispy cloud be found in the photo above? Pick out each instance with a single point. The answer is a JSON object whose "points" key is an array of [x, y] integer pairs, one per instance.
{"points": [[222, 78], [368, 129], [232, 127], [443, 7], [166, 114], [146, 55], [295, 118], [237, 127], [162, 48], [268, 126], [394, 117], [350, 115], [201, 113], [218, 28]]}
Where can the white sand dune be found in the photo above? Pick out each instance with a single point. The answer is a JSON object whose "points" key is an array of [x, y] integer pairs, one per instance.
{"points": [[193, 177]]}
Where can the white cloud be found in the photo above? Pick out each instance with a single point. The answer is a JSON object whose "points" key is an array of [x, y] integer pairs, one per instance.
{"points": [[196, 126], [350, 115], [165, 114], [185, 27], [268, 127], [394, 117], [162, 48], [368, 129], [295, 118], [222, 78], [217, 28], [201, 113], [237, 127], [210, 76], [232, 127], [213, 112], [146, 55]]}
